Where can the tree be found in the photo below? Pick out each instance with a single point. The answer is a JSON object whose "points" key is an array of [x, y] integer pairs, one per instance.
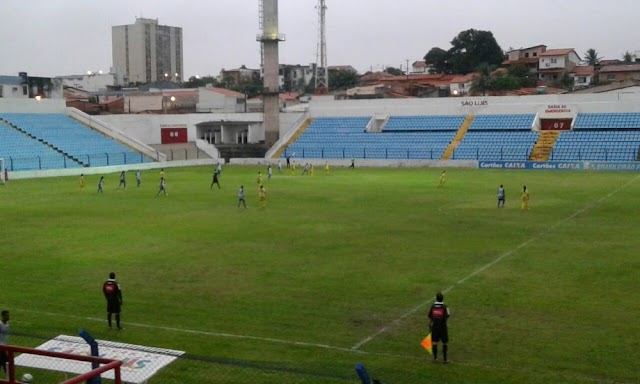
{"points": [[472, 48], [197, 82], [591, 57], [483, 82], [565, 81], [522, 74], [394, 71], [439, 59], [341, 80], [628, 57]]}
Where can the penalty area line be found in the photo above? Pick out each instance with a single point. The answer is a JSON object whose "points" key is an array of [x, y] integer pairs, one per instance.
{"points": [[503, 256]]}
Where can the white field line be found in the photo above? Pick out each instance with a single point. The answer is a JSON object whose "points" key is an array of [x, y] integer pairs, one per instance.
{"points": [[503, 256]]}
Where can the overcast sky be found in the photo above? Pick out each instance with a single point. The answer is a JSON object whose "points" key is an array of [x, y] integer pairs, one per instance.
{"points": [[65, 37]]}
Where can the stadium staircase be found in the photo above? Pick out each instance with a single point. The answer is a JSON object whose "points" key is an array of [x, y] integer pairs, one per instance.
{"points": [[293, 138], [542, 150], [458, 137], [44, 142]]}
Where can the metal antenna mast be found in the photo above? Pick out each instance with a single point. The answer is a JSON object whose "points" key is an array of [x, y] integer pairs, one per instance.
{"points": [[261, 29], [322, 73]]}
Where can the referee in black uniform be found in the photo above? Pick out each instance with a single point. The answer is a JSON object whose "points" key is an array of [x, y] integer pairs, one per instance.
{"points": [[113, 294], [438, 315]]}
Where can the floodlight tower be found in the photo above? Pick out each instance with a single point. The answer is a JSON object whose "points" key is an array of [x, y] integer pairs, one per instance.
{"points": [[270, 38], [322, 72]]}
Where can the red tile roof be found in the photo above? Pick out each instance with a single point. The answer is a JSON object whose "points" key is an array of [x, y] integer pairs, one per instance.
{"points": [[582, 70], [557, 52], [226, 92], [621, 68], [289, 96], [420, 64], [460, 79]]}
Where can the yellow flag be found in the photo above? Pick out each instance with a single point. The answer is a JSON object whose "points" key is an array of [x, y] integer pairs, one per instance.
{"points": [[426, 343]]}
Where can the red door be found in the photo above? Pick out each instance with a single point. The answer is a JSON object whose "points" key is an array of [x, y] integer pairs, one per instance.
{"points": [[173, 135], [555, 124]]}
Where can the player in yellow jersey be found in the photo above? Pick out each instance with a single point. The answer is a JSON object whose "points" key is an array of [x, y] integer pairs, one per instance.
{"points": [[442, 178], [81, 181], [262, 194], [312, 171], [326, 167], [524, 199], [162, 174], [259, 179], [293, 168]]}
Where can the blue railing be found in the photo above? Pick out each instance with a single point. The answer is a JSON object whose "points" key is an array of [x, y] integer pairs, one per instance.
{"points": [[43, 162]]}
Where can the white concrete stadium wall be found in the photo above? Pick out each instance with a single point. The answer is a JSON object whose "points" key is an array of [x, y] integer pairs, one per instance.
{"points": [[585, 103], [146, 128], [32, 106]]}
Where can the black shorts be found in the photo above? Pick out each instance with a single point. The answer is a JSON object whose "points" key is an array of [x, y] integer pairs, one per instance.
{"points": [[4, 358], [113, 307], [439, 334]]}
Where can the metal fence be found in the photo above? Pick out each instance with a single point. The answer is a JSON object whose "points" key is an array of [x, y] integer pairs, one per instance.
{"points": [[33, 163], [504, 154]]}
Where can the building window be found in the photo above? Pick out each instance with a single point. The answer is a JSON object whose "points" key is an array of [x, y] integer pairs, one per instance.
{"points": [[535, 54], [526, 54], [554, 61], [582, 79], [611, 77]]}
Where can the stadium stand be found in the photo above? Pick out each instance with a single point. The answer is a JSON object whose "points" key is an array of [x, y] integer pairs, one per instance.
{"points": [[413, 137], [22, 153], [498, 137], [600, 136], [78, 143]]}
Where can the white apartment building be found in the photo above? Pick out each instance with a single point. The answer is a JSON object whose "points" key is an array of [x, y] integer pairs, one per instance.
{"points": [[146, 51]]}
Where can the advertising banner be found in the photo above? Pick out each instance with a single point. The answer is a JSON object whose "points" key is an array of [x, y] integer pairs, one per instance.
{"points": [[140, 363]]}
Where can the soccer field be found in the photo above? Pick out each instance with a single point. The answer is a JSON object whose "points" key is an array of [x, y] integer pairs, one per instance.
{"points": [[338, 269]]}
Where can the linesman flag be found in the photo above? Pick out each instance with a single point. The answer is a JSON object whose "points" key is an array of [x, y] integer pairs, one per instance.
{"points": [[426, 343]]}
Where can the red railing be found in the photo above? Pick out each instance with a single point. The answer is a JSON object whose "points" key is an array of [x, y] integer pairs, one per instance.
{"points": [[107, 364]]}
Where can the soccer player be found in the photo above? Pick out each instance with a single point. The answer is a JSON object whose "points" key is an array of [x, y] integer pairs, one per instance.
{"points": [[259, 178], [215, 179], [100, 183], [262, 194], [241, 197], [81, 181], [353, 163], [138, 178], [163, 187], [288, 161], [524, 199], [279, 166], [269, 172], [326, 167], [311, 170], [4, 335], [123, 181], [162, 173], [113, 294], [293, 168], [219, 170], [305, 170], [438, 315], [501, 196], [442, 179]]}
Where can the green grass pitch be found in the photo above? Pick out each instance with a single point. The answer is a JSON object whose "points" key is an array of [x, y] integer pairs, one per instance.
{"points": [[302, 288]]}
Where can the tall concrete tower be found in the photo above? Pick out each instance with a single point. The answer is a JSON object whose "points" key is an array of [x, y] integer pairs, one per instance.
{"points": [[270, 39], [322, 73]]}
